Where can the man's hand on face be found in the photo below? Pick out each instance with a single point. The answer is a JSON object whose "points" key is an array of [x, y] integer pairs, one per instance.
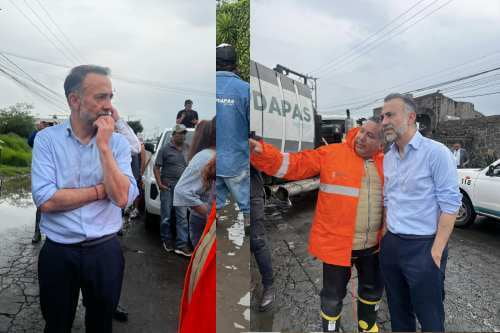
{"points": [[105, 128], [114, 113], [255, 146]]}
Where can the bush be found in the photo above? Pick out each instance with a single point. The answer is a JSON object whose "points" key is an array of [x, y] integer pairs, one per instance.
{"points": [[15, 142], [17, 119], [15, 157], [14, 151]]}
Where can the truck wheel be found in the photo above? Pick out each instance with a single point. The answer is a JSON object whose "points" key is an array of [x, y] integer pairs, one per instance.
{"points": [[466, 214]]}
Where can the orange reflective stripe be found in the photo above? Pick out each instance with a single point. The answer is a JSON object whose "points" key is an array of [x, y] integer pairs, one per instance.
{"points": [[285, 162], [339, 189]]}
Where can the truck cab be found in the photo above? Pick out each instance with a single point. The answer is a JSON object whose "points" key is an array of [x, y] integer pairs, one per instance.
{"points": [[480, 190]]}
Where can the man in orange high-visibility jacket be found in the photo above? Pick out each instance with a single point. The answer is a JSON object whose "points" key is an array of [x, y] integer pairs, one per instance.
{"points": [[348, 219]]}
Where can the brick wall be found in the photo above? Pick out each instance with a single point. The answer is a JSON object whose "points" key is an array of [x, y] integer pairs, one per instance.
{"points": [[480, 136]]}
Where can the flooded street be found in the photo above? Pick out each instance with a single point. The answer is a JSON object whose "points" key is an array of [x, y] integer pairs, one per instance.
{"points": [[233, 272], [152, 284], [472, 286]]}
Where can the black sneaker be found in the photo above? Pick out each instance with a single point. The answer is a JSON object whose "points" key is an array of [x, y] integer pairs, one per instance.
{"points": [[168, 246], [184, 251], [267, 300]]}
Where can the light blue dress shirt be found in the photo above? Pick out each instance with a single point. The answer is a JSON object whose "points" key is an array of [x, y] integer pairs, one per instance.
{"points": [[60, 161], [420, 186]]}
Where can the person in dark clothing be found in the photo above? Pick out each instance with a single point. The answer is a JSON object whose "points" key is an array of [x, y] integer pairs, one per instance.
{"points": [[37, 236], [187, 116], [259, 245]]}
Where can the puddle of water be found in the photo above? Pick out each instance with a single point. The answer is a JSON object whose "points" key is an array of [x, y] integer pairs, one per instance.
{"points": [[246, 314], [236, 233], [245, 300], [16, 204], [236, 325]]}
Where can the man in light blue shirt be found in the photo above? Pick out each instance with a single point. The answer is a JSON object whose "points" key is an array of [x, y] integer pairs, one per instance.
{"points": [[421, 200], [81, 179]]}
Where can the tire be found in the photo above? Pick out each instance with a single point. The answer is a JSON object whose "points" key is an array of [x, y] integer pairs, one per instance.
{"points": [[466, 214]]}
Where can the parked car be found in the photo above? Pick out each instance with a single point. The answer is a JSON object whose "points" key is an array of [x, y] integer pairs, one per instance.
{"points": [[151, 191], [480, 193]]}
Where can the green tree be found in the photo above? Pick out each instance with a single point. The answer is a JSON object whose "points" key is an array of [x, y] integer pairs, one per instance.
{"points": [[136, 126], [233, 27], [17, 119]]}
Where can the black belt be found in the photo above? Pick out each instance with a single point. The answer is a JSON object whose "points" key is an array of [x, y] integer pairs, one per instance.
{"points": [[87, 243]]}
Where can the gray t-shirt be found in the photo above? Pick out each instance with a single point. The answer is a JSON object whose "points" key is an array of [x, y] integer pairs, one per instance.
{"points": [[189, 191], [172, 162]]}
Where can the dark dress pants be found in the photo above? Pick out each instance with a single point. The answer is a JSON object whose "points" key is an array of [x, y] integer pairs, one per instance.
{"points": [[64, 270], [414, 284]]}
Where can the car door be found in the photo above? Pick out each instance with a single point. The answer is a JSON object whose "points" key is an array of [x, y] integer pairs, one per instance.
{"points": [[486, 191]]}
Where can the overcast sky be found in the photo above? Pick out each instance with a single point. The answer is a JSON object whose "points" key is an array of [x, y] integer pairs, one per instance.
{"points": [[167, 42], [308, 35]]}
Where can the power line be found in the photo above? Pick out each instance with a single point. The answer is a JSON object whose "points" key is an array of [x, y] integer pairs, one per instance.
{"points": [[66, 48], [148, 83], [318, 69], [452, 69], [41, 32], [35, 59], [33, 90], [138, 81], [433, 86], [492, 93], [31, 77], [58, 28], [452, 81], [381, 41]]}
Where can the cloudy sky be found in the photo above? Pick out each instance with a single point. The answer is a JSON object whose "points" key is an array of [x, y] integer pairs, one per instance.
{"points": [[160, 52], [360, 53]]}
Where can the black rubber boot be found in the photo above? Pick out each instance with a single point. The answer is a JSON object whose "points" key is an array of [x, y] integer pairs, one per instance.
{"points": [[367, 315], [330, 324]]}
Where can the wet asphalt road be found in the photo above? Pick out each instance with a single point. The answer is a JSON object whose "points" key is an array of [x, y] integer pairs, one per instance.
{"points": [[472, 277], [152, 285], [233, 272]]}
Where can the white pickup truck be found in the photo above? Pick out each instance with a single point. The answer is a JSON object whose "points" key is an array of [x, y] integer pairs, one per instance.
{"points": [[481, 193]]}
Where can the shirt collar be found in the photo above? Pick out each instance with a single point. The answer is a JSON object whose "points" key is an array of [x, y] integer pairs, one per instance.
{"points": [[414, 143], [69, 131]]}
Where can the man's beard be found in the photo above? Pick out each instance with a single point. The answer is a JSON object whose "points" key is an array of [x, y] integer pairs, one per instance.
{"points": [[396, 132]]}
